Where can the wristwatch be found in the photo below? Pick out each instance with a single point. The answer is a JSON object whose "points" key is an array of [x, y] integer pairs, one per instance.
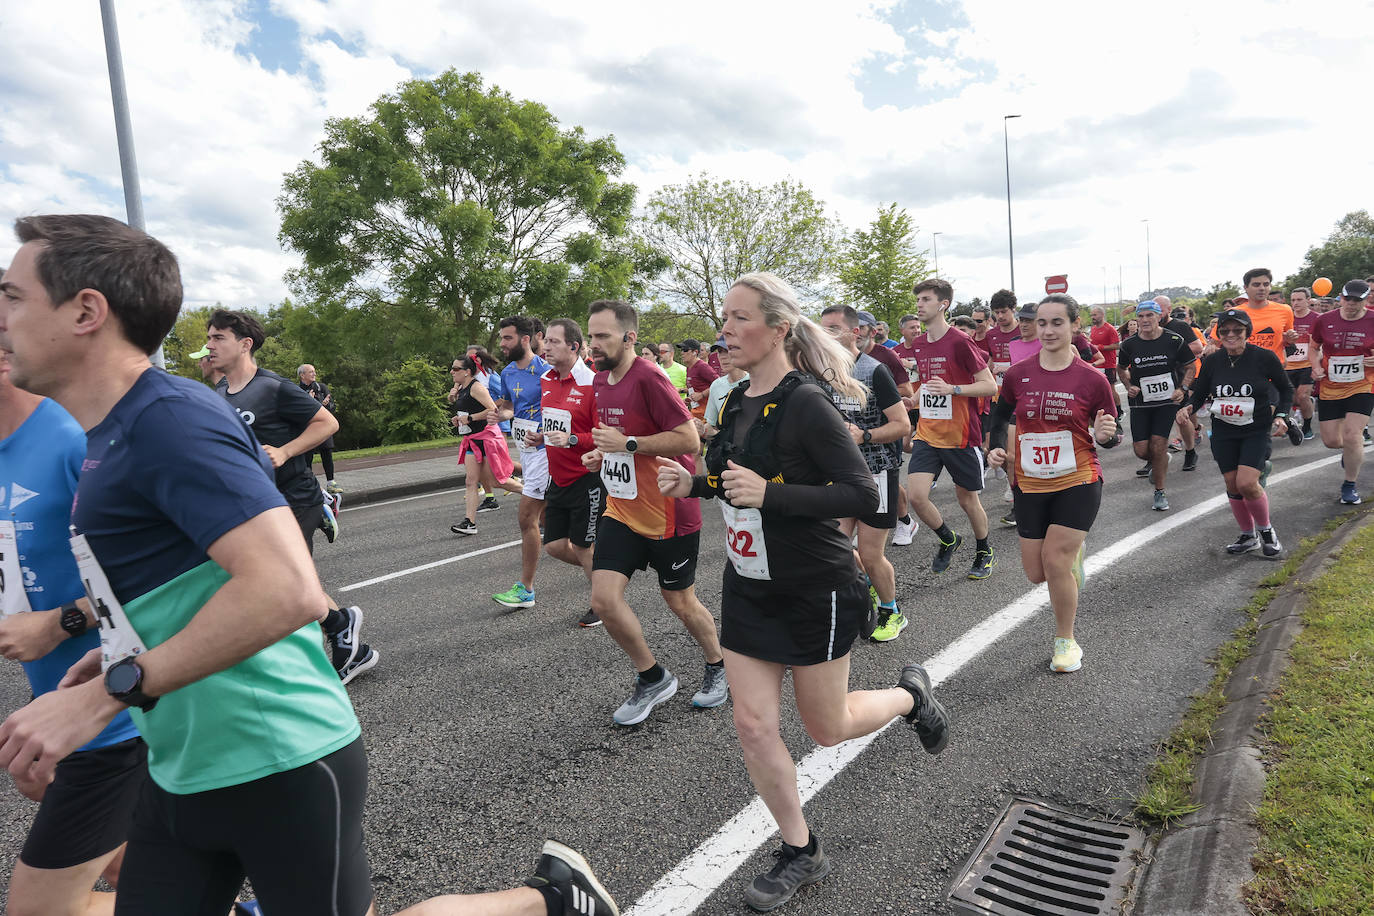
{"points": [[631, 444], [958, 390], [73, 620], [868, 436], [572, 439], [124, 682]]}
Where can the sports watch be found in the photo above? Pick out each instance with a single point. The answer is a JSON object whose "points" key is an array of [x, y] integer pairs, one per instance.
{"points": [[631, 444], [124, 682], [868, 437], [73, 619]]}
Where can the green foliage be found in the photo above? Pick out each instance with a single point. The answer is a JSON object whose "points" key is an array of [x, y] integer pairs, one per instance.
{"points": [[460, 201], [878, 266], [413, 396], [187, 336], [707, 233], [659, 324], [1347, 254]]}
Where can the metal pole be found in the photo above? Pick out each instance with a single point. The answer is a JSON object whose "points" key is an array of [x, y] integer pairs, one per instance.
{"points": [[124, 131], [1149, 283], [935, 241], [1006, 158]]}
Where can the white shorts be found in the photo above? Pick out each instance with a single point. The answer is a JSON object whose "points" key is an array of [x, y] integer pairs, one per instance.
{"points": [[535, 473]]}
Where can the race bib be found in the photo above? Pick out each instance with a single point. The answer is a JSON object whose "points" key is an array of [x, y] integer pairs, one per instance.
{"points": [[520, 429], [1299, 353], [1155, 388], [557, 420], [1237, 411], [1345, 368], [13, 598], [936, 406], [618, 473], [744, 541], [1000, 369], [1046, 455], [881, 480], [118, 639]]}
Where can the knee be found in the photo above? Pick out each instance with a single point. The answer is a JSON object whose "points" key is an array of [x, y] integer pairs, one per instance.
{"points": [[826, 734], [757, 729], [681, 603]]}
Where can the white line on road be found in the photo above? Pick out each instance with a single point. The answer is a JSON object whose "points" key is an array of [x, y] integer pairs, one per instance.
{"points": [[696, 877], [437, 563], [401, 499]]}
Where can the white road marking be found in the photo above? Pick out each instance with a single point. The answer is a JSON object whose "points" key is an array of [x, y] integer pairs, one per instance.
{"points": [[437, 563], [696, 877], [400, 499]]}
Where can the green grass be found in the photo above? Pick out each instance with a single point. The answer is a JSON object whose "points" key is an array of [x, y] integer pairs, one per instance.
{"points": [[380, 450], [1168, 792], [1316, 853]]}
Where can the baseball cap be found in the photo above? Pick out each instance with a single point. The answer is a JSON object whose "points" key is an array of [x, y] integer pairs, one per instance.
{"points": [[1355, 289], [690, 343], [866, 319], [1026, 311], [1179, 312], [719, 344], [201, 353], [1149, 305], [1237, 315]]}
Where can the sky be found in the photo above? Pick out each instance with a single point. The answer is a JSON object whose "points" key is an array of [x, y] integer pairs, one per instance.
{"points": [[1232, 127]]}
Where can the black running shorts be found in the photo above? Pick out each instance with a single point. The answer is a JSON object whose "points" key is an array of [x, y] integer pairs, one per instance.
{"points": [[885, 520], [1075, 507], [309, 518], [1299, 377], [1251, 451], [87, 808], [776, 621], [621, 550], [1152, 421], [965, 465], [1362, 404], [573, 512], [297, 836]]}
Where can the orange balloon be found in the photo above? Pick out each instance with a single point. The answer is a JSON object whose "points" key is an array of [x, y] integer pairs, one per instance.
{"points": [[1321, 286]]}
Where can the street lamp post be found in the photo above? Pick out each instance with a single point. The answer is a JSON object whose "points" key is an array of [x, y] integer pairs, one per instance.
{"points": [[935, 242], [1149, 283], [1006, 158]]}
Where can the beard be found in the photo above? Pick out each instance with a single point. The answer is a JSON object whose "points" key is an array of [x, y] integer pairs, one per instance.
{"points": [[517, 352]]}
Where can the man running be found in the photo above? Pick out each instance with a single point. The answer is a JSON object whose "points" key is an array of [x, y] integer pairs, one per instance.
{"points": [[208, 603], [1106, 338], [1157, 368], [1273, 321], [1344, 342], [700, 375], [953, 374], [676, 372], [867, 340], [521, 384], [730, 377], [1299, 364], [207, 370], [288, 423], [640, 417]]}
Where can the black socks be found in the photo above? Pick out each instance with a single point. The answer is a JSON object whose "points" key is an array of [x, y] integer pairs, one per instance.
{"points": [[719, 664], [905, 519], [552, 899], [653, 675], [809, 849], [984, 546], [944, 534], [334, 621]]}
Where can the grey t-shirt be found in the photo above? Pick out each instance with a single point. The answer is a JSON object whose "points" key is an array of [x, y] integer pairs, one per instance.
{"points": [[277, 411]]}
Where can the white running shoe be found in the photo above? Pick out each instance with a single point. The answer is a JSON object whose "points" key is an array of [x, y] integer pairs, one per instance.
{"points": [[901, 537]]}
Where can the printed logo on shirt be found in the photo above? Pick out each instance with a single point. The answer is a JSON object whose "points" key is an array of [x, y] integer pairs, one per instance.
{"points": [[19, 494], [247, 416]]}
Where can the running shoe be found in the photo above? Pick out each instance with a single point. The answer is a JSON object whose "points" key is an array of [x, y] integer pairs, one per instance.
{"points": [[329, 523], [1175, 445], [367, 659], [1247, 542], [333, 487], [1269, 544], [1077, 569], [564, 869], [589, 619], [644, 698], [335, 501], [928, 715], [1349, 495], [346, 642], [1143, 470], [1009, 520], [489, 504], [983, 563], [945, 554], [794, 869], [1068, 656], [901, 537], [1365, 431], [517, 596], [466, 526], [1295, 434], [1264, 475], [715, 689], [1190, 460], [891, 626], [1307, 434], [1161, 503]]}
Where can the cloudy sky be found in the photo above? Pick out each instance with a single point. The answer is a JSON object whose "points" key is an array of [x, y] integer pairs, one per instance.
{"points": [[1233, 127]]}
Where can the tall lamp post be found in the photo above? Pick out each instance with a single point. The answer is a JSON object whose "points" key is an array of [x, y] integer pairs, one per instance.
{"points": [[1006, 158], [935, 241], [1149, 283]]}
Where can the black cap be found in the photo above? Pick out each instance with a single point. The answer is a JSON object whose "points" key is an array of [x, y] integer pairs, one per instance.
{"points": [[1179, 312], [690, 343], [1355, 289], [1026, 311], [1240, 316], [719, 344]]}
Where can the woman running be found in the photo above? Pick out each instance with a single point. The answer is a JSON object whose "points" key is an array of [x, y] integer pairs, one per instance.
{"points": [[483, 444], [784, 468], [1061, 407], [1239, 380]]}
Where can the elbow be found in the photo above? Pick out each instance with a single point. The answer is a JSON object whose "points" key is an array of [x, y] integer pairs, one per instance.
{"points": [[302, 602]]}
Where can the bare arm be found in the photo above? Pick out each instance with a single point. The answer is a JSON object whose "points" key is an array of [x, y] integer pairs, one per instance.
{"points": [[681, 440], [321, 426]]}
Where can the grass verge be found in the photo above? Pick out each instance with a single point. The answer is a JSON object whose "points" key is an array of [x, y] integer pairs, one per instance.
{"points": [[1168, 792], [380, 450], [1316, 852]]}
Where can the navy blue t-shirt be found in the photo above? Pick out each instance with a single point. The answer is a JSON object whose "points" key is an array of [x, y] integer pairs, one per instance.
{"points": [[168, 471]]}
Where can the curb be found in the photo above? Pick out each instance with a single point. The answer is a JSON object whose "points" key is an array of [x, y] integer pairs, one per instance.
{"points": [[1202, 865], [362, 497]]}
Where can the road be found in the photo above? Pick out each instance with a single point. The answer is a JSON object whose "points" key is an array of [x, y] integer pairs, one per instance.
{"points": [[489, 729]]}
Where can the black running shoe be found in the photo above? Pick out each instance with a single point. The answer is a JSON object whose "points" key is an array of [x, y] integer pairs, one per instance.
{"points": [[1009, 520], [466, 526], [488, 505], [1294, 433], [1190, 460], [589, 619], [367, 659], [928, 716], [1270, 548], [945, 554], [564, 869], [1143, 471], [982, 565], [794, 870], [1243, 544], [347, 642]]}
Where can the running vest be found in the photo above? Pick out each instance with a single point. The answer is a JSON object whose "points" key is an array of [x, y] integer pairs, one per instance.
{"points": [[757, 453]]}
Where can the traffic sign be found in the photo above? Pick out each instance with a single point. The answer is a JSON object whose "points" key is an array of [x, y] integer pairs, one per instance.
{"points": [[1057, 284]]}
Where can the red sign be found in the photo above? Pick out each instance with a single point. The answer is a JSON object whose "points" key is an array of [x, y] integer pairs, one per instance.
{"points": [[1059, 284]]}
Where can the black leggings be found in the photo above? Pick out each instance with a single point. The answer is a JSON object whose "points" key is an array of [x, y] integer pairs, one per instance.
{"points": [[326, 461]]}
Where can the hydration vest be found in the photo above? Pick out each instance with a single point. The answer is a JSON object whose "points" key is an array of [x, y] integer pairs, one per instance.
{"points": [[758, 452]]}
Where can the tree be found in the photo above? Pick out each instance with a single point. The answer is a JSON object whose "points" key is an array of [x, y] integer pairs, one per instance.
{"points": [[1347, 254], [709, 233], [186, 337], [660, 324], [462, 201], [878, 266], [414, 395]]}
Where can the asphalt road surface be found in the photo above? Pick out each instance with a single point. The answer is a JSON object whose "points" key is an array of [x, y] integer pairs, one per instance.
{"points": [[489, 730]]}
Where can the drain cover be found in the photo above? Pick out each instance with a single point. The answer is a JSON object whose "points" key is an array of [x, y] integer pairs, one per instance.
{"points": [[1044, 861]]}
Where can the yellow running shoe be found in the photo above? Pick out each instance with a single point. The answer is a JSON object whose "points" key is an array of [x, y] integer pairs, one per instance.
{"points": [[890, 628], [1067, 655]]}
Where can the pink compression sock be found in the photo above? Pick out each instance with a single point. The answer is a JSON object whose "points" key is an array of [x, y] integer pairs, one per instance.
{"points": [[1240, 509], [1259, 510]]}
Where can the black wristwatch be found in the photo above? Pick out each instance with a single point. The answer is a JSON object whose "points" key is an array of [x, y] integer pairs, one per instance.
{"points": [[124, 682], [572, 439], [868, 437], [631, 444], [74, 621]]}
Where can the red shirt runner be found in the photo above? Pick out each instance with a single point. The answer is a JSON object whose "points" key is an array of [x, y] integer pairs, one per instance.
{"points": [[574, 397], [1104, 336], [1054, 422]]}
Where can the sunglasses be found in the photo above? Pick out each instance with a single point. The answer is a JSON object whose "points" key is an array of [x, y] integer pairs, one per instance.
{"points": [[1232, 332], [980, 321]]}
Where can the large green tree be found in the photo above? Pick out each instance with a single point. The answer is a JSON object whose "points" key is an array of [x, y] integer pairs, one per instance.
{"points": [[710, 232], [1347, 254], [457, 198], [878, 266]]}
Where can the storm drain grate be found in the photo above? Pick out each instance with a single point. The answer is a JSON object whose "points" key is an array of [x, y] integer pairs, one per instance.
{"points": [[1038, 860]]}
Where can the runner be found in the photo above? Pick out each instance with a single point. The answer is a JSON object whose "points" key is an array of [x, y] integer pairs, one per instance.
{"points": [[1156, 367], [289, 424], [1240, 380], [208, 605], [639, 418], [521, 380], [700, 375], [77, 834], [490, 376], [1344, 340], [877, 423], [575, 498], [997, 344], [1062, 409], [676, 372], [1107, 339], [1180, 322], [866, 339], [207, 370], [953, 374], [1299, 362], [730, 377], [783, 467], [483, 451], [1272, 321], [319, 391]]}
